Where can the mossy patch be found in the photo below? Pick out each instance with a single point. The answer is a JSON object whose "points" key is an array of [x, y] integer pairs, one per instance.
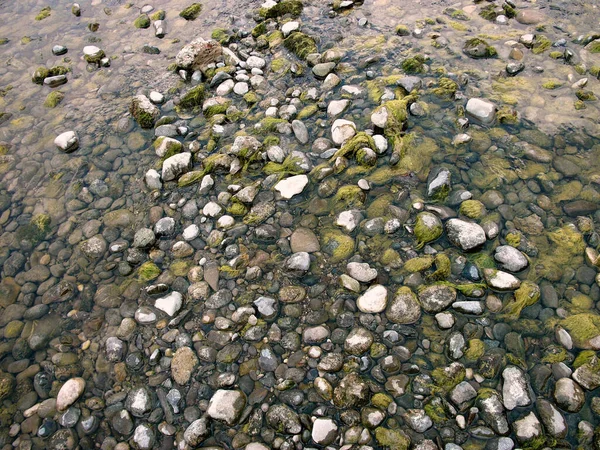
{"points": [[446, 378], [418, 264], [353, 145], [488, 12], [143, 21], [473, 209], [414, 64], [540, 44], [53, 99], [478, 48], [288, 167], [193, 97], [475, 350], [585, 96], [446, 88], [443, 267], [428, 228], [552, 84], [44, 13], [348, 197], [564, 248], [191, 12], [291, 7], [158, 15], [337, 245], [300, 44], [148, 271], [392, 439], [402, 30], [36, 230], [582, 328]]}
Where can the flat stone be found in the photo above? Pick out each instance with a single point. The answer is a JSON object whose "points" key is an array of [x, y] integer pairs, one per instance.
{"points": [[176, 165], [501, 281], [361, 271], [226, 405], [374, 300], [304, 240], [324, 431], [466, 235], [530, 16], [510, 258], [481, 110], [170, 304], [291, 186]]}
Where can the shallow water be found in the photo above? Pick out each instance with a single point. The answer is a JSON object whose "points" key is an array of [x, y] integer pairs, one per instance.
{"points": [[64, 303]]}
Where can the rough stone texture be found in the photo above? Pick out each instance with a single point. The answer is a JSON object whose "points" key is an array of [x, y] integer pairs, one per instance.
{"points": [[69, 393], [226, 405], [373, 301], [465, 235], [183, 364], [515, 391], [481, 110], [176, 165], [198, 54]]}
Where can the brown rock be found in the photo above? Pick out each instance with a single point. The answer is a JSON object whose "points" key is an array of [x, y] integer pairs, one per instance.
{"points": [[198, 54], [182, 365], [529, 17], [304, 240]]}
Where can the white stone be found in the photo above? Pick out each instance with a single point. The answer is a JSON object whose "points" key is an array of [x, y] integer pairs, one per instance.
{"points": [[501, 281], [275, 154], [241, 88], [381, 143], [349, 220], [212, 209], [466, 235], [255, 62], [156, 97], [176, 165], [373, 301], [380, 117], [445, 320], [225, 87], [291, 186], [67, 142], [69, 393], [298, 261], [481, 110], [288, 27], [191, 232], [170, 304], [226, 405], [206, 184], [92, 51], [349, 283], [342, 130], [165, 144], [337, 107], [153, 179], [324, 431], [225, 222], [361, 271]]}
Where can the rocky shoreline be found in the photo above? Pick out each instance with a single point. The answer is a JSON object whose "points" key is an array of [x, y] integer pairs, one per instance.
{"points": [[321, 254]]}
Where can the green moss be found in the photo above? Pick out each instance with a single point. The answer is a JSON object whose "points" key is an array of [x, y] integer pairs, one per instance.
{"points": [[191, 12], [582, 327], [7, 385], [584, 357], [457, 26], [392, 439], [237, 209], [180, 268], [53, 99], [554, 354], [579, 105], [489, 51], [190, 178], [402, 30], [193, 97], [565, 249], [220, 108], [259, 30], [473, 209], [428, 228], [158, 15], [148, 271], [489, 12], [144, 119], [475, 350], [556, 55], [337, 245], [274, 38], [436, 411], [540, 44], [457, 14], [44, 13], [291, 7], [251, 98], [353, 145], [380, 206], [269, 125], [446, 88], [446, 379], [381, 400], [585, 96], [300, 44], [418, 264], [307, 111], [270, 141], [414, 64], [288, 167], [594, 46], [552, 84], [143, 21], [4, 41], [280, 65], [222, 36], [527, 295], [443, 267], [36, 230], [595, 71], [348, 197]]}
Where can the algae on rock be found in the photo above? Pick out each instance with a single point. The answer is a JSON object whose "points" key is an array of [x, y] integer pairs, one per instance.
{"points": [[191, 12], [300, 44]]}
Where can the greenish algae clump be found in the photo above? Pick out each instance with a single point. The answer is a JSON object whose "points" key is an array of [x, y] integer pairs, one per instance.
{"points": [[414, 64], [349, 196], [53, 99], [291, 7], [300, 44], [193, 97], [353, 145], [337, 245], [427, 229], [392, 439], [583, 328], [418, 264], [148, 271], [473, 209], [143, 21], [36, 230], [44, 13], [528, 294], [191, 12]]}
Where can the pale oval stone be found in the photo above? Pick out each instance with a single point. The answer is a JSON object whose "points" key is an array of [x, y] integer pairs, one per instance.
{"points": [[374, 300], [69, 393]]}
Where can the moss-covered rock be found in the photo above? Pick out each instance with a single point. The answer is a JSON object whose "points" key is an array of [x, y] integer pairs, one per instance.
{"points": [[392, 439], [442, 267], [540, 44], [478, 48], [148, 271], [291, 7], [348, 197], [53, 99], [7, 385], [44, 13], [158, 15], [585, 96], [563, 248], [300, 44], [527, 295], [489, 12], [193, 97], [143, 111], [191, 12], [36, 230], [353, 145], [337, 245], [428, 228], [584, 329], [222, 36], [473, 209], [418, 264], [402, 30], [446, 88], [475, 350], [143, 21], [42, 72], [414, 64]]}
